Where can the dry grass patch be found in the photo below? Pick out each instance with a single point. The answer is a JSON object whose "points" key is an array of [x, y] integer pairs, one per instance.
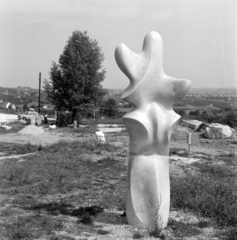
{"points": [[55, 183], [14, 149]]}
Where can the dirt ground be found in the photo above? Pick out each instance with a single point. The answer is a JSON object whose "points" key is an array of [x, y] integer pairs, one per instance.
{"points": [[177, 165], [178, 140], [48, 138]]}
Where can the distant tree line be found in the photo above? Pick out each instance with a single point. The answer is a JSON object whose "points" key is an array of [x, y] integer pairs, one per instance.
{"points": [[229, 119]]}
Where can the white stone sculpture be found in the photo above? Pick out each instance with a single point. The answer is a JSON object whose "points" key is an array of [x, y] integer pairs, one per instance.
{"points": [[149, 124]]}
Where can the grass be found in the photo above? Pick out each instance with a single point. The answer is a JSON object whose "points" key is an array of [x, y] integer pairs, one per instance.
{"points": [[207, 195], [30, 227], [56, 190], [91, 128], [204, 102], [14, 149], [56, 185], [103, 121], [16, 127], [177, 151], [64, 172]]}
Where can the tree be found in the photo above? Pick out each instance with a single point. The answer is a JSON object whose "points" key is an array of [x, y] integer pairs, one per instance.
{"points": [[109, 108], [110, 103], [195, 113], [231, 120], [75, 82], [181, 112]]}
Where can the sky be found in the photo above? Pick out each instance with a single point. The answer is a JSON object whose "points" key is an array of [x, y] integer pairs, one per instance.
{"points": [[199, 37]]}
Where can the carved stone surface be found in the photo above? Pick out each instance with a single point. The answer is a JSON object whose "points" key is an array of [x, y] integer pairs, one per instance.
{"points": [[149, 124]]}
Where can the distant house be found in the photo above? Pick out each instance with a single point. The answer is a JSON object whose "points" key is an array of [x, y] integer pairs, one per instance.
{"points": [[26, 93]]}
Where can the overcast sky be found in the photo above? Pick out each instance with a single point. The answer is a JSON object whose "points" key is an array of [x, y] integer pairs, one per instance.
{"points": [[199, 37]]}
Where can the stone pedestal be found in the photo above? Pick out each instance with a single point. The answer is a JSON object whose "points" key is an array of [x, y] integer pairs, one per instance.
{"points": [[152, 94]]}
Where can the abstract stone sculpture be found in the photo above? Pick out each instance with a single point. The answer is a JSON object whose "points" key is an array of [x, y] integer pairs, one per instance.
{"points": [[149, 124]]}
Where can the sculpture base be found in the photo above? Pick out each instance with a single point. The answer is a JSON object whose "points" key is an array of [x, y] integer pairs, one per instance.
{"points": [[148, 193]]}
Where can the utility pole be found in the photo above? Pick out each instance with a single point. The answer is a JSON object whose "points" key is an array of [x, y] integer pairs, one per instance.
{"points": [[39, 91]]}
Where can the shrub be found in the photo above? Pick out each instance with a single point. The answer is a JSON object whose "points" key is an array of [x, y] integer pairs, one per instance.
{"points": [[86, 219]]}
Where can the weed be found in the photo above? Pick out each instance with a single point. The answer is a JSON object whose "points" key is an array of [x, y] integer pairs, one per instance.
{"points": [[182, 230], [91, 210], [157, 231], [178, 151], [138, 234], [122, 204], [103, 232], [203, 224], [86, 219], [40, 147]]}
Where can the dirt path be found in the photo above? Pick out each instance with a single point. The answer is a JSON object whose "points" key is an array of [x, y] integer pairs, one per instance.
{"points": [[16, 156], [43, 139]]}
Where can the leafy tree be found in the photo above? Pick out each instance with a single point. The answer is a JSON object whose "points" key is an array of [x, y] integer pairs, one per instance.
{"points": [[195, 113], [204, 114], [109, 108], [110, 103], [231, 120], [75, 82], [181, 112]]}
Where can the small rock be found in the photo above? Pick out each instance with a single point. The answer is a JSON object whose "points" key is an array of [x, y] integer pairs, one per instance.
{"points": [[21, 160]]}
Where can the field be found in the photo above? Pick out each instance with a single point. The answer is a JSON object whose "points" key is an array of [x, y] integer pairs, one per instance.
{"points": [[118, 99], [193, 101], [75, 188], [203, 102]]}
